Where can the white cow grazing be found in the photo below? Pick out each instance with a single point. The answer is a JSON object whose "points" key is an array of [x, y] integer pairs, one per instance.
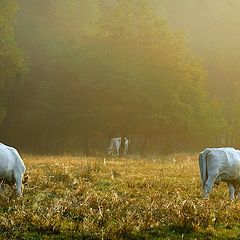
{"points": [[115, 144], [12, 168], [219, 164]]}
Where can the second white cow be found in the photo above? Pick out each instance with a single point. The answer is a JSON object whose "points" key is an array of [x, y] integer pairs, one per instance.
{"points": [[220, 164]]}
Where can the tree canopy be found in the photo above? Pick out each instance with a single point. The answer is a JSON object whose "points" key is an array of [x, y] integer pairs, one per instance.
{"points": [[12, 60], [103, 69]]}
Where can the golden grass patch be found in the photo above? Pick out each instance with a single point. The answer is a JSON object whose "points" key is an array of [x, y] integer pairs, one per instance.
{"points": [[112, 198]]}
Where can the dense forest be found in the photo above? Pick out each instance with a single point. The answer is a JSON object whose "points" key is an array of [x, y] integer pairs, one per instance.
{"points": [[75, 73]]}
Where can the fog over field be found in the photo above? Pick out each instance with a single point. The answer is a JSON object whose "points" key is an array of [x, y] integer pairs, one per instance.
{"points": [[162, 73], [211, 29]]}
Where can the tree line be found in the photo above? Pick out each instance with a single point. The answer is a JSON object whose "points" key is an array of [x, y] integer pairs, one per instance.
{"points": [[74, 74]]}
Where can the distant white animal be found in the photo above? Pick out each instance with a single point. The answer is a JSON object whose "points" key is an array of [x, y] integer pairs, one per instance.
{"points": [[126, 144], [12, 168], [220, 164], [115, 144]]}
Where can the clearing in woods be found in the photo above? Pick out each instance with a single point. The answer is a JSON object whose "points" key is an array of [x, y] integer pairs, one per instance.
{"points": [[71, 197]]}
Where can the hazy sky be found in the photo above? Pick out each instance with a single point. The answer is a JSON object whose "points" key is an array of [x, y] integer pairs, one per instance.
{"points": [[212, 31]]}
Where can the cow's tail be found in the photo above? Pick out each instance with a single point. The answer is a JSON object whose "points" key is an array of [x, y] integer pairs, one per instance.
{"points": [[203, 165]]}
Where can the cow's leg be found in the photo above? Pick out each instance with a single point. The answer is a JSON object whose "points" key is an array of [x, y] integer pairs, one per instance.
{"points": [[208, 186], [231, 190], [2, 187], [18, 180], [110, 149], [117, 150], [19, 188], [125, 150]]}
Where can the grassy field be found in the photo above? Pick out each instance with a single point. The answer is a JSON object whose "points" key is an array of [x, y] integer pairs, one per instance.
{"points": [[71, 197]]}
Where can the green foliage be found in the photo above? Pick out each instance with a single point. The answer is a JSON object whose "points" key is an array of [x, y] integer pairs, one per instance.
{"points": [[211, 30], [12, 61], [107, 68], [158, 81], [128, 65]]}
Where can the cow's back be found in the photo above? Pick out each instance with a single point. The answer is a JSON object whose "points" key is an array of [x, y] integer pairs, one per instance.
{"points": [[224, 162], [10, 160]]}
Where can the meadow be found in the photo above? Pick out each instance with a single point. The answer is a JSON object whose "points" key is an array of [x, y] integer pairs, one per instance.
{"points": [[71, 197]]}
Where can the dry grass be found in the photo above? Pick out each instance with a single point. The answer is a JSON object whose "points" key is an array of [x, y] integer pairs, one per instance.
{"points": [[92, 198]]}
